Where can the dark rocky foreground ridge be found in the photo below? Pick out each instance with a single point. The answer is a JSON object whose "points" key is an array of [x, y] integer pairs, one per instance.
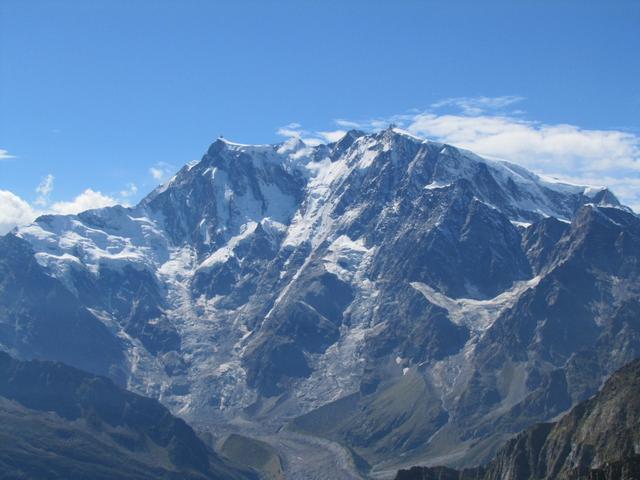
{"points": [[61, 423], [599, 439], [430, 303]]}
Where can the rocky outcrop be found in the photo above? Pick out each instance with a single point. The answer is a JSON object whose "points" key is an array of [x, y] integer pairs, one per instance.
{"points": [[597, 439]]}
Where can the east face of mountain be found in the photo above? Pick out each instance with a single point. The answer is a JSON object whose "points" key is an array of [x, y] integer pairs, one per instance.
{"points": [[371, 278]]}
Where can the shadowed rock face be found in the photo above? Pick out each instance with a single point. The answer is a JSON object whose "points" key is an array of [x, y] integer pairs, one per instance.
{"points": [[40, 317], [597, 439], [59, 422], [374, 277]]}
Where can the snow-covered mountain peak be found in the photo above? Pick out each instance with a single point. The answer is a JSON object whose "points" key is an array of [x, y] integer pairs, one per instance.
{"points": [[521, 189], [302, 187], [406, 134]]}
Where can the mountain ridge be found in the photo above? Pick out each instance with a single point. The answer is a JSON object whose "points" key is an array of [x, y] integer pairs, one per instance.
{"points": [[265, 282]]}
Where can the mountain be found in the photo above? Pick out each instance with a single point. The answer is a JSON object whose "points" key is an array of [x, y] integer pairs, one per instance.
{"points": [[62, 423], [432, 302], [597, 439]]}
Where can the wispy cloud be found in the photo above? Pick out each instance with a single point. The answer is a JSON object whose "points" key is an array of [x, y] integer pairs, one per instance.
{"points": [[291, 130], [161, 171], [130, 190], [333, 135], [4, 155], [567, 148], [347, 123], [295, 130], [478, 105], [44, 189]]}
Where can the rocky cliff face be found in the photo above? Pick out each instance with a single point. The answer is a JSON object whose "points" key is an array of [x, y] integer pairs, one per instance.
{"points": [[368, 277], [597, 439]]}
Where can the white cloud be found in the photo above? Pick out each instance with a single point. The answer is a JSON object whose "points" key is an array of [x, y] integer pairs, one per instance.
{"points": [[130, 190], [332, 136], [156, 173], [14, 212], [289, 132], [161, 171], [347, 123], [44, 189], [295, 130], [292, 130], [478, 105], [538, 146], [46, 185], [87, 200], [4, 155]]}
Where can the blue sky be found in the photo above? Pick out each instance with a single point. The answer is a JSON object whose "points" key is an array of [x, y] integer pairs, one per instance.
{"points": [[114, 95]]}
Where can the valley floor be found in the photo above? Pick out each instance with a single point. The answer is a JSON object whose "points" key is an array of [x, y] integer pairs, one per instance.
{"points": [[302, 457], [312, 458]]}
